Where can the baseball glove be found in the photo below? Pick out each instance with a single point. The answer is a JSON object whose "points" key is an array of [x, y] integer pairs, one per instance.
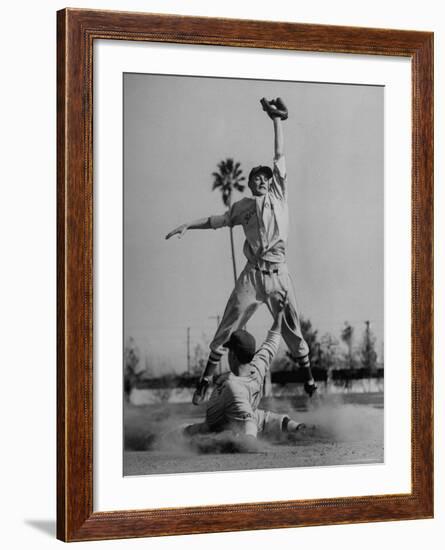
{"points": [[275, 108]]}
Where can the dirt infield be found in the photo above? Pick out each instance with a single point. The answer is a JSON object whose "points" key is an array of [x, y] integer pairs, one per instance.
{"points": [[348, 430]]}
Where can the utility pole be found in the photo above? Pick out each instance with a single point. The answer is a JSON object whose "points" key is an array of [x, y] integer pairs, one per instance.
{"points": [[188, 350]]}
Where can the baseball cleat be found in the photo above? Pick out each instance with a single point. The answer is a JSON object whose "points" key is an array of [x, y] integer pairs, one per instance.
{"points": [[306, 429], [200, 392], [301, 433], [310, 388]]}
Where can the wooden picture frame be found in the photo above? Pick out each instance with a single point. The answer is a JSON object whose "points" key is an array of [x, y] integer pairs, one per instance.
{"points": [[76, 32]]}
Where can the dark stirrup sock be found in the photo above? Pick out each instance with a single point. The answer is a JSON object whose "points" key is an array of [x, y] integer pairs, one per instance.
{"points": [[304, 362], [212, 364]]}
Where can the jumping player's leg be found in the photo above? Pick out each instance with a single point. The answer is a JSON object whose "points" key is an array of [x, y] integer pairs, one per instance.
{"points": [[291, 327], [242, 304]]}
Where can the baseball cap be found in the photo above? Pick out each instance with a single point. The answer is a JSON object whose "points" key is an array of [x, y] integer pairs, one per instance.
{"points": [[261, 170], [243, 344]]}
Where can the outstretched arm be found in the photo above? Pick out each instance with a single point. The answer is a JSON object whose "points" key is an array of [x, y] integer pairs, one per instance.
{"points": [[277, 111], [269, 347], [278, 319], [213, 222], [278, 138], [279, 181], [202, 223]]}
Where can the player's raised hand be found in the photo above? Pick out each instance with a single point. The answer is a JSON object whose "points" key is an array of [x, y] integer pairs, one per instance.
{"points": [[281, 298], [180, 231], [275, 108]]}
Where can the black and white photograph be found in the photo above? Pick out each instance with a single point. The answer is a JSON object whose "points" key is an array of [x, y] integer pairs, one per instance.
{"points": [[253, 274], [221, 231]]}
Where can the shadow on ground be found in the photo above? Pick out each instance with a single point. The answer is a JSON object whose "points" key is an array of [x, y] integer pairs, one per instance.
{"points": [[47, 526]]}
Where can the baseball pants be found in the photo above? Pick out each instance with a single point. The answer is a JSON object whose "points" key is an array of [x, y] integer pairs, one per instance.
{"points": [[256, 286]]}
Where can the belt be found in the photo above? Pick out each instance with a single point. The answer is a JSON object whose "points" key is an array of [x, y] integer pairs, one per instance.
{"points": [[267, 271]]}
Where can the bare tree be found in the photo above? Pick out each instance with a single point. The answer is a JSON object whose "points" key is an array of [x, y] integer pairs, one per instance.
{"points": [[200, 353], [329, 346], [347, 335], [368, 355], [132, 357]]}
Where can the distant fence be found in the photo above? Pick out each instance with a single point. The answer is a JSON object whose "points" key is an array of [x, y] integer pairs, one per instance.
{"points": [[281, 378], [356, 374]]}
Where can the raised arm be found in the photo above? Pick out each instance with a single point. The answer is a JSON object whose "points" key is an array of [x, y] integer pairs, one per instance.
{"points": [[277, 111], [278, 138], [278, 319], [269, 347]]}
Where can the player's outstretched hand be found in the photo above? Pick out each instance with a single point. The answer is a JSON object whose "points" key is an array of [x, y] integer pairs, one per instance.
{"points": [[180, 231], [281, 301], [275, 108], [281, 298]]}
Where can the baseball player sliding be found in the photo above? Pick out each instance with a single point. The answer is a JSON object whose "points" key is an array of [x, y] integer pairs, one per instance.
{"points": [[233, 404], [265, 220]]}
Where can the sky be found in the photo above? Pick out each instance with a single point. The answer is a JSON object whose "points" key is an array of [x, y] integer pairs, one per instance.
{"points": [[176, 130]]}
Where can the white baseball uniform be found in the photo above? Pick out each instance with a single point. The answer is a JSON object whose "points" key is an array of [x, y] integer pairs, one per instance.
{"points": [[265, 220], [233, 404]]}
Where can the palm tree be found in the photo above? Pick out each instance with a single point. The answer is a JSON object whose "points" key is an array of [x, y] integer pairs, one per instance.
{"points": [[228, 178]]}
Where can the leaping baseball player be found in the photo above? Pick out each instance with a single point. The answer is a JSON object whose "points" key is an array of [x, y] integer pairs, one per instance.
{"points": [[265, 220]]}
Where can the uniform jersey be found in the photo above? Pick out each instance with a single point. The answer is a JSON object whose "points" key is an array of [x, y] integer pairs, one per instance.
{"points": [[265, 220], [235, 399]]}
